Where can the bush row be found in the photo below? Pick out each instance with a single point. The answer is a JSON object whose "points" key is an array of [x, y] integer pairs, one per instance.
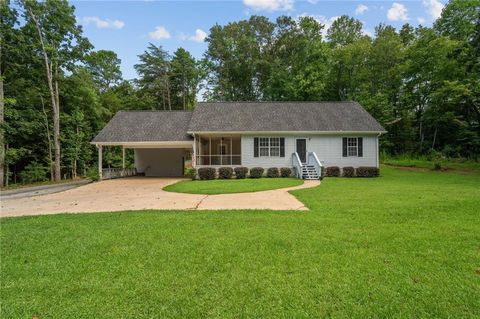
{"points": [[208, 173], [362, 171]]}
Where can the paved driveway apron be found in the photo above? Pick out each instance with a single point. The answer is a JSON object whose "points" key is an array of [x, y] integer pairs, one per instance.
{"points": [[140, 193]]}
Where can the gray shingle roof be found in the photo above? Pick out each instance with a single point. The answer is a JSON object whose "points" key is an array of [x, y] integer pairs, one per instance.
{"points": [[159, 126], [146, 126], [282, 116]]}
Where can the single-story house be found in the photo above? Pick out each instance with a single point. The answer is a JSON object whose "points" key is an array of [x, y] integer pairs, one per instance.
{"points": [[300, 135]]}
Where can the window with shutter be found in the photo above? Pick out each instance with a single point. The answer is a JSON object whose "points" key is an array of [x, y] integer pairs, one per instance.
{"points": [[352, 146]]}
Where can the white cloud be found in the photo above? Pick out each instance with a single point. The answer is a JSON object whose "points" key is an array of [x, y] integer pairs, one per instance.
{"points": [[433, 7], [327, 22], [199, 36], [160, 33], [313, 1], [361, 8], [103, 23], [421, 20], [270, 5], [397, 12]]}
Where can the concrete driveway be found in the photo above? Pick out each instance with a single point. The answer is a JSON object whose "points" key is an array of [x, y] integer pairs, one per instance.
{"points": [[139, 193]]}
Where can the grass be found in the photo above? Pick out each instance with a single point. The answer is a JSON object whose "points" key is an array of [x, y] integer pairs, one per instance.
{"points": [[42, 183], [403, 245], [224, 186], [422, 162]]}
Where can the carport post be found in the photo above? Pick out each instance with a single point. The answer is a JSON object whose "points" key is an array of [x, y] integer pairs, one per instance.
{"points": [[99, 162], [123, 157]]}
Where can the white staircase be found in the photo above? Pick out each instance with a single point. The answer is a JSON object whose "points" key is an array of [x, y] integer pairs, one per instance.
{"points": [[312, 169], [309, 172]]}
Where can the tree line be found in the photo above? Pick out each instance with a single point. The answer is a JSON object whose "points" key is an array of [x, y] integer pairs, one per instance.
{"points": [[56, 91]]}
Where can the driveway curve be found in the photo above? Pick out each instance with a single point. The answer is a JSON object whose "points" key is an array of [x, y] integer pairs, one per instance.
{"points": [[140, 193]]}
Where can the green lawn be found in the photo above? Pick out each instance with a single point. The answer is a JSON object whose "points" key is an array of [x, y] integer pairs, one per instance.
{"points": [[404, 245], [449, 164], [224, 186]]}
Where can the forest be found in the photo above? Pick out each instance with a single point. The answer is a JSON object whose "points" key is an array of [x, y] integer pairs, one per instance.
{"points": [[56, 91]]}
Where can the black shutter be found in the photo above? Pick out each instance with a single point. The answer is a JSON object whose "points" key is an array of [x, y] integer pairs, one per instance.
{"points": [[255, 147], [360, 147], [282, 146], [344, 147]]}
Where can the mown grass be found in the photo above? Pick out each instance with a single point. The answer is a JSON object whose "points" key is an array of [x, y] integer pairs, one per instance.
{"points": [[224, 186], [404, 245], [422, 162]]}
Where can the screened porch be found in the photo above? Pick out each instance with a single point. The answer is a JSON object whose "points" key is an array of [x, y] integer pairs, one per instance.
{"points": [[217, 150]]}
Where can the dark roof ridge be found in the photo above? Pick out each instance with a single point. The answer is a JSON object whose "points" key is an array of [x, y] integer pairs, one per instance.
{"points": [[132, 111], [305, 102]]}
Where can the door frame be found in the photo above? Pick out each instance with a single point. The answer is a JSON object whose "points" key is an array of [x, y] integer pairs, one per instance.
{"points": [[306, 146]]}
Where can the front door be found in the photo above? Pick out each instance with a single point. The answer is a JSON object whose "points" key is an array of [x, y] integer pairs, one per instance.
{"points": [[301, 149]]}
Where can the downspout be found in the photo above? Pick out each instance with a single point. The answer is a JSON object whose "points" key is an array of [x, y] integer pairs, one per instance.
{"points": [[194, 158], [377, 155]]}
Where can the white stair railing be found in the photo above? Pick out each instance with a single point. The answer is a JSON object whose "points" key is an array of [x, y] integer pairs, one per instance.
{"points": [[315, 162], [297, 164]]}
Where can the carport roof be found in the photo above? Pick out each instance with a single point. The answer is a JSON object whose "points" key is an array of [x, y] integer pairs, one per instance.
{"points": [[146, 126]]}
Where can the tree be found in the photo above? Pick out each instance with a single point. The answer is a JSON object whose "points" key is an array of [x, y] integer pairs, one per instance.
{"points": [[344, 30], [458, 19], [184, 78], [104, 65], [154, 71], [8, 18], [233, 57], [60, 44], [407, 34], [299, 66]]}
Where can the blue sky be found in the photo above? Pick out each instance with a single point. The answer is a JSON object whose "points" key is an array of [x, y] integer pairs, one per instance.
{"points": [[127, 27]]}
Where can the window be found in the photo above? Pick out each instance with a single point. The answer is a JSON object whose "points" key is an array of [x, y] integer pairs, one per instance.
{"points": [[264, 146], [352, 146], [275, 146], [269, 146]]}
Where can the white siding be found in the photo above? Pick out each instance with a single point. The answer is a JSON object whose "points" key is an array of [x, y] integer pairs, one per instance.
{"points": [[159, 162], [327, 147]]}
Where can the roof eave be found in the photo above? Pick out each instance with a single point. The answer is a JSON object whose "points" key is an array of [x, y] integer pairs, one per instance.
{"points": [[287, 132]]}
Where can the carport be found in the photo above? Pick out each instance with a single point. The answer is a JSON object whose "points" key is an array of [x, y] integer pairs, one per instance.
{"points": [[159, 139]]}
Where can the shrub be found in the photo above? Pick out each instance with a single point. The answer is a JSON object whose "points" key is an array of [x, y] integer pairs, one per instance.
{"points": [[273, 172], [92, 173], [365, 171], [285, 172], [34, 172], [241, 172], [332, 171], [190, 172], [256, 172], [348, 171], [206, 173], [225, 172], [437, 166]]}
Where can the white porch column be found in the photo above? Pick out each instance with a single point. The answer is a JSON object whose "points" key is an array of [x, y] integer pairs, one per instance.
{"points": [[123, 157], [99, 162], [194, 158]]}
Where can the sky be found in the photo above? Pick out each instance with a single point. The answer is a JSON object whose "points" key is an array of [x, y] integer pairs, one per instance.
{"points": [[127, 27]]}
